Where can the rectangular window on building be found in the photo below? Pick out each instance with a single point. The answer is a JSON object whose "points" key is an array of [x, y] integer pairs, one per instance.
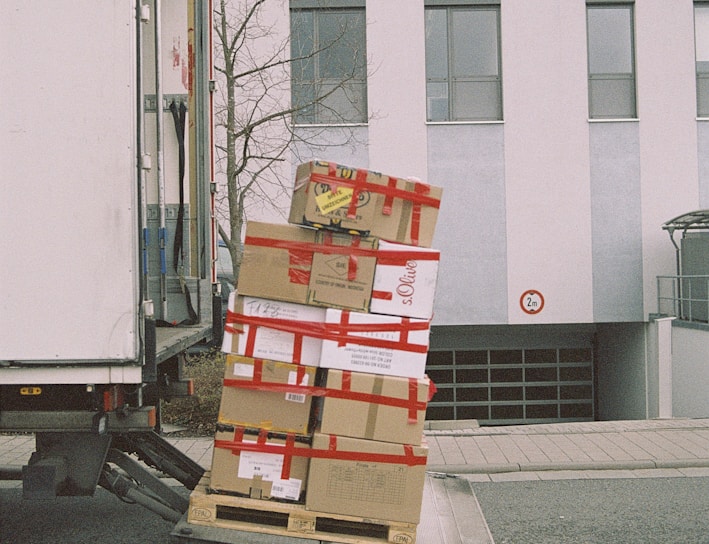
{"points": [[329, 64], [463, 68], [701, 40], [611, 61]]}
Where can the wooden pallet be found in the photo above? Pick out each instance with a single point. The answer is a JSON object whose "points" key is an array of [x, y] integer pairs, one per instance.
{"points": [[290, 519]]}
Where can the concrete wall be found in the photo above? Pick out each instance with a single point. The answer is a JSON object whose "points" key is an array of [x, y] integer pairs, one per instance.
{"points": [[621, 371], [690, 371]]}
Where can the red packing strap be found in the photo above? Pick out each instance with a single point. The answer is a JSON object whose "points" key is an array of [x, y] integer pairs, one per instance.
{"points": [[413, 400], [290, 449], [389, 199], [234, 318], [418, 195], [339, 333], [412, 404], [383, 256], [382, 295]]}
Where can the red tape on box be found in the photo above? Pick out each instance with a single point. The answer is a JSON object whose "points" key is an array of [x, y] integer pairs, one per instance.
{"points": [[290, 449], [412, 404], [338, 332]]}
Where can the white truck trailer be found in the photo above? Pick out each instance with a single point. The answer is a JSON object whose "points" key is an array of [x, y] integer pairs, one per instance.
{"points": [[108, 237]]}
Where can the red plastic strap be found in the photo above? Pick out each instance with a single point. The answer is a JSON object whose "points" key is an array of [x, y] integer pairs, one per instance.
{"points": [[418, 195], [290, 449], [389, 199], [413, 400], [382, 295], [383, 256], [411, 403], [336, 332]]}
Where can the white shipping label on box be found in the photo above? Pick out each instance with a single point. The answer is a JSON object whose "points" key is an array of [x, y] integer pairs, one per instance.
{"points": [[261, 341], [269, 467], [405, 286], [378, 344], [293, 380]]}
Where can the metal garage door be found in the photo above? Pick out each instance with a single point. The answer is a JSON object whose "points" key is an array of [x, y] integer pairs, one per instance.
{"points": [[512, 386]]}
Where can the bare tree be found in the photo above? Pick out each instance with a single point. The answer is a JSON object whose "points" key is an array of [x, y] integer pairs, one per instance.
{"points": [[255, 119]]}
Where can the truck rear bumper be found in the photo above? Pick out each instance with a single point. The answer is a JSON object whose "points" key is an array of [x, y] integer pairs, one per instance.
{"points": [[129, 420]]}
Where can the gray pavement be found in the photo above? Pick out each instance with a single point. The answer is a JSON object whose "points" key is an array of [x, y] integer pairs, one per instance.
{"points": [[628, 449]]}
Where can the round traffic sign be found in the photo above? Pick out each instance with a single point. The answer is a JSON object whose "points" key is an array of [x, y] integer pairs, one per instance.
{"points": [[531, 302]]}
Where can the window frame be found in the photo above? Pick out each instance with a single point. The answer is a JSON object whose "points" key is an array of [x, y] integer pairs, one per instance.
{"points": [[629, 77], [318, 116], [701, 76], [450, 80]]}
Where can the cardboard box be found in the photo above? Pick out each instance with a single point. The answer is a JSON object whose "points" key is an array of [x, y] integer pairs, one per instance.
{"points": [[367, 478], [405, 285], [374, 407], [259, 465], [307, 266], [267, 395], [334, 196], [377, 344], [274, 330]]}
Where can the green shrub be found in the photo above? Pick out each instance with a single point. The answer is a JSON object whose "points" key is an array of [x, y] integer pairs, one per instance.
{"points": [[198, 413]]}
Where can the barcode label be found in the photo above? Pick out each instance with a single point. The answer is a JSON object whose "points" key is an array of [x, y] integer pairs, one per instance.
{"points": [[295, 397]]}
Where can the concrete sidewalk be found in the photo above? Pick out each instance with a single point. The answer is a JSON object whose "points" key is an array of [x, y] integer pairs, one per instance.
{"points": [[672, 447]]}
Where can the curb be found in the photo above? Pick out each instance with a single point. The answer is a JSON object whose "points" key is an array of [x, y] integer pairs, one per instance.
{"points": [[497, 468]]}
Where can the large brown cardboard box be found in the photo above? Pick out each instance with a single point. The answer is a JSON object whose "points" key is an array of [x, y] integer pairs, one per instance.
{"points": [[334, 196], [307, 266], [267, 395], [366, 478], [272, 329], [259, 464], [373, 407]]}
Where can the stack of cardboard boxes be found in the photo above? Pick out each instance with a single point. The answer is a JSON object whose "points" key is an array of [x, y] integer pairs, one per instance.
{"points": [[325, 391]]}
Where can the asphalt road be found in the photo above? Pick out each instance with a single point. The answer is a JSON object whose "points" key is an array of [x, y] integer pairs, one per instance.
{"points": [[102, 519], [612, 511]]}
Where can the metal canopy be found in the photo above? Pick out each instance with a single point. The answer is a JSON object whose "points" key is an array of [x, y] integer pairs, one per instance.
{"points": [[689, 221]]}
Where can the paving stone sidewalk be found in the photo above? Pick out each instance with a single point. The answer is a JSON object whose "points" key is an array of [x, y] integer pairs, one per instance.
{"points": [[672, 445], [638, 448]]}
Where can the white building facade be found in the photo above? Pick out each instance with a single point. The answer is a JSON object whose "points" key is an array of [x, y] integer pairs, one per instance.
{"points": [[564, 133]]}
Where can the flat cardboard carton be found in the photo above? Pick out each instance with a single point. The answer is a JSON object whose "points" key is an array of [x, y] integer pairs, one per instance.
{"points": [[334, 196], [260, 465], [405, 286], [375, 480], [267, 395], [307, 266], [271, 329], [377, 344], [375, 407]]}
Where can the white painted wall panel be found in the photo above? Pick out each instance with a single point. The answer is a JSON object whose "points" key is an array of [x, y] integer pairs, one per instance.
{"points": [[396, 88], [547, 159], [67, 212], [668, 133]]}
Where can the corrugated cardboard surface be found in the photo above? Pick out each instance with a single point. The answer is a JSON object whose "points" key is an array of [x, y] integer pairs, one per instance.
{"points": [[273, 410], [368, 489], [255, 474], [375, 420], [394, 224], [295, 264]]}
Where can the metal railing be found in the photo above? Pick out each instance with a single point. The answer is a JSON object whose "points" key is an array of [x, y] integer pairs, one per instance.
{"points": [[684, 297]]}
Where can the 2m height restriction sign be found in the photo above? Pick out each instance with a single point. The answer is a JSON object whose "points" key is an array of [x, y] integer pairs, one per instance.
{"points": [[531, 302]]}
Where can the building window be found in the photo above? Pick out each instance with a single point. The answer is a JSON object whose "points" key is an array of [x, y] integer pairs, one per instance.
{"points": [[329, 66], [463, 68], [611, 62], [701, 38]]}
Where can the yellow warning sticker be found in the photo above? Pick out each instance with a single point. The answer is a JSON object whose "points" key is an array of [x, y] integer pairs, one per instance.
{"points": [[329, 202]]}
